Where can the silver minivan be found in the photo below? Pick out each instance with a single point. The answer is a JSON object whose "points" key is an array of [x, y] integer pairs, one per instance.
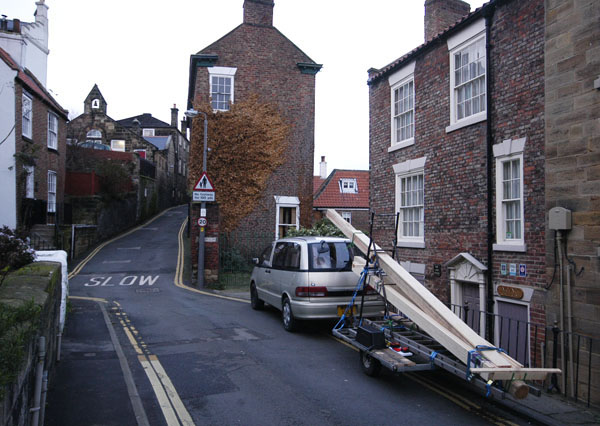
{"points": [[309, 278]]}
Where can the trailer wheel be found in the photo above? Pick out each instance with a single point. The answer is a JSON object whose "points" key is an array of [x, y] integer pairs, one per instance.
{"points": [[370, 366], [256, 303]]}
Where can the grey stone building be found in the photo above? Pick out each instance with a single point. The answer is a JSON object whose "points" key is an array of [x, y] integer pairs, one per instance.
{"points": [[572, 95]]}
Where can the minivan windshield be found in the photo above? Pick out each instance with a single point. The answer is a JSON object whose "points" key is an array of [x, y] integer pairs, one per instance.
{"points": [[325, 256]]}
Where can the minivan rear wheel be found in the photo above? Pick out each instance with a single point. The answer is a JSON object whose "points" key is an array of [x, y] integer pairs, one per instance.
{"points": [[256, 303], [287, 316]]}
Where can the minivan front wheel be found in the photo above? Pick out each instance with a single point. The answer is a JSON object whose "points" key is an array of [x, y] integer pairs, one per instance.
{"points": [[287, 316], [256, 303]]}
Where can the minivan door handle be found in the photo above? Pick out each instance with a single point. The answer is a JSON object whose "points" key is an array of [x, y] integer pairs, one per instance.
{"points": [[268, 271]]}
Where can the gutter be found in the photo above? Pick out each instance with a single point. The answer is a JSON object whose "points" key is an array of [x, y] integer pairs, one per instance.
{"points": [[488, 14]]}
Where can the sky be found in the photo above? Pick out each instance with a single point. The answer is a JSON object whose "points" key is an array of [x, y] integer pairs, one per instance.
{"points": [[138, 53]]}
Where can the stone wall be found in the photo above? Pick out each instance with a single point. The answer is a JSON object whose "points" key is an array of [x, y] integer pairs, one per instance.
{"points": [[40, 282], [572, 68]]}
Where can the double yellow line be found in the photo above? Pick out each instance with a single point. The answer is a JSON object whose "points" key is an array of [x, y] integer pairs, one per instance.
{"points": [[169, 401], [180, 267]]}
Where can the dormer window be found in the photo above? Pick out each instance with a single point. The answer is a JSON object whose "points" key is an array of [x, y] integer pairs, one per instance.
{"points": [[348, 186], [147, 132], [96, 103]]}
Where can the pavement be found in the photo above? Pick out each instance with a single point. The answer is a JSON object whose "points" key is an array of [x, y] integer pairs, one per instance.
{"points": [[89, 387]]}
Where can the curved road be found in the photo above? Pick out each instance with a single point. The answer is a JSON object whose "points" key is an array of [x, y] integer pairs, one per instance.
{"points": [[140, 349]]}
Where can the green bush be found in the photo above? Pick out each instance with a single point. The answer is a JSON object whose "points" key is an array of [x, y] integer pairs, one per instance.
{"points": [[323, 228], [14, 252]]}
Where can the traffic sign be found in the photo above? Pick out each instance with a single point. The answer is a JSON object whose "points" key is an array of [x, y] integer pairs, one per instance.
{"points": [[203, 196], [202, 221], [204, 184]]}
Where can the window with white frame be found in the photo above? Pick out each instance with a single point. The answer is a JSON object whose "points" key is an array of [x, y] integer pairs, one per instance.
{"points": [[287, 215], [510, 223], [403, 108], [410, 202], [51, 191], [52, 131], [347, 216], [148, 132], [117, 145], [221, 87], [29, 181], [348, 186], [467, 76], [402, 95], [27, 115]]}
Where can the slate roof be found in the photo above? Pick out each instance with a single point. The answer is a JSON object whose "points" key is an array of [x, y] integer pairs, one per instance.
{"points": [[31, 82], [146, 121], [376, 74], [160, 142], [329, 195]]}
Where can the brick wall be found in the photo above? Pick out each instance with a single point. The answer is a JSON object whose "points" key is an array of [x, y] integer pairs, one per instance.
{"points": [[44, 157], [455, 170], [266, 65]]}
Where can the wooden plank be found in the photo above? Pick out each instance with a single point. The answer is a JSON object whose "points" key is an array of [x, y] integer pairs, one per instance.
{"points": [[516, 373], [421, 306]]}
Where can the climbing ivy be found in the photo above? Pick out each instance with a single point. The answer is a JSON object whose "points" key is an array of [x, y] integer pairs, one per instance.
{"points": [[247, 144]]}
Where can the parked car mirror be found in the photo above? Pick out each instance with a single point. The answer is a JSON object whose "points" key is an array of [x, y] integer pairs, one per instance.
{"points": [[255, 260], [324, 248]]}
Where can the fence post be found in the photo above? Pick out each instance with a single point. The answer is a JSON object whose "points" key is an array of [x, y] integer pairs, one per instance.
{"points": [[555, 332]]}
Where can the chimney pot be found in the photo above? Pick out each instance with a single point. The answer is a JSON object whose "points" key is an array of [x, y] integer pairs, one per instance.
{"points": [[442, 14], [323, 168]]}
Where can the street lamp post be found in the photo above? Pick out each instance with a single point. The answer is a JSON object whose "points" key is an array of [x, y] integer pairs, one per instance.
{"points": [[201, 236]]}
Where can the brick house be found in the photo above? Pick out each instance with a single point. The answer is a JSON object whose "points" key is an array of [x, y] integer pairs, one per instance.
{"points": [[174, 143], [346, 191], [256, 58], [457, 148], [32, 128]]}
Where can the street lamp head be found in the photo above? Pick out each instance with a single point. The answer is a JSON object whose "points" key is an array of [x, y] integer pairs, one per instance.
{"points": [[191, 113]]}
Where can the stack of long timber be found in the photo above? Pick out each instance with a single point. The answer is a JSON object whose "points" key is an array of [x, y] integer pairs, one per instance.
{"points": [[416, 302]]}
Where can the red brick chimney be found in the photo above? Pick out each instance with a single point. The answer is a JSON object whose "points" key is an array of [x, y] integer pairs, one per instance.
{"points": [[259, 12], [442, 14]]}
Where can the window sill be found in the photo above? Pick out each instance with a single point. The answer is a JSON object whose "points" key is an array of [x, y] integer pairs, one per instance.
{"points": [[477, 118], [521, 248], [411, 244], [401, 145]]}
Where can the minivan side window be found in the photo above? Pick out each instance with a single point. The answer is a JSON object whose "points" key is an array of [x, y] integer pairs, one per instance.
{"points": [[265, 257], [279, 255], [292, 256]]}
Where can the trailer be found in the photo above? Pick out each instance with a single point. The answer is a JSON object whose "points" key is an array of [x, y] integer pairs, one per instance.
{"points": [[434, 337]]}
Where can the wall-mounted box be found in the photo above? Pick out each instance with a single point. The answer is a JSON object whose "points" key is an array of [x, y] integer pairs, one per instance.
{"points": [[559, 219]]}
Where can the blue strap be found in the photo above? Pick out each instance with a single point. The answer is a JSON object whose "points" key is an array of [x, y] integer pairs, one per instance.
{"points": [[488, 387], [473, 354], [432, 357]]}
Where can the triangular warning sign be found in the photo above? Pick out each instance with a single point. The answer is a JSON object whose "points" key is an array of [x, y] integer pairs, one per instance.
{"points": [[204, 183]]}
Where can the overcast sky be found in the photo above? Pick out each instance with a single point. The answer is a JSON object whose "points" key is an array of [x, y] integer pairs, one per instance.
{"points": [[138, 53]]}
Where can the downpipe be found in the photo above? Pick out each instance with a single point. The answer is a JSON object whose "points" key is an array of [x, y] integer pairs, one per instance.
{"points": [[39, 373], [561, 310], [570, 331]]}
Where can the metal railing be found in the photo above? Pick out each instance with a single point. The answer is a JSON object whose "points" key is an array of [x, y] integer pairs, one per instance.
{"points": [[540, 346], [236, 251]]}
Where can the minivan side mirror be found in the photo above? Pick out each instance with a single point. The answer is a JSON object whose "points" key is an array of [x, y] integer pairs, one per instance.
{"points": [[255, 260]]}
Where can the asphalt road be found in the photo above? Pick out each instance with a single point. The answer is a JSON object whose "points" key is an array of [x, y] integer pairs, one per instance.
{"points": [[138, 349]]}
